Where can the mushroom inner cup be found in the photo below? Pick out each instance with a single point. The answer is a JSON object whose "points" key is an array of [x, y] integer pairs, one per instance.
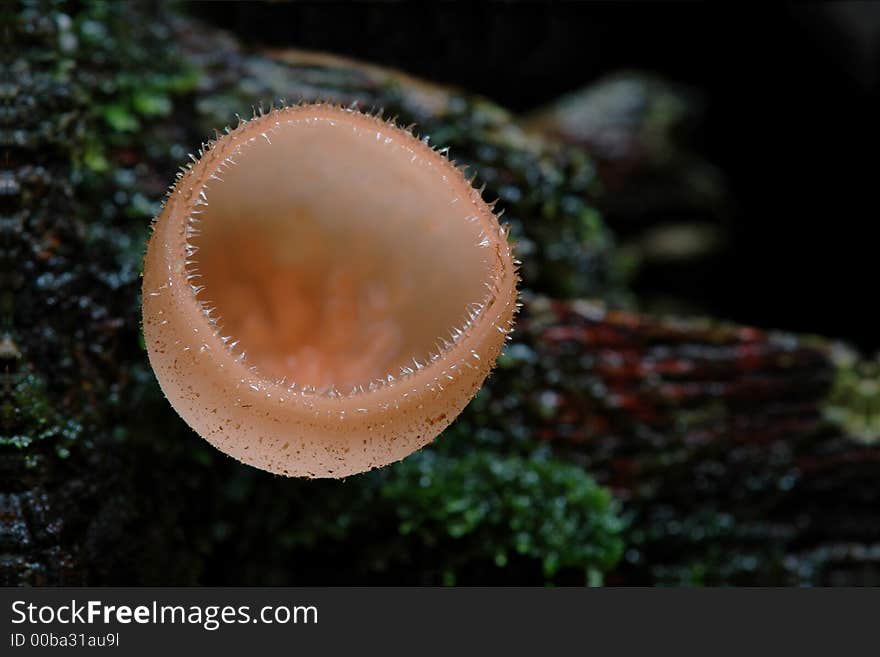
{"points": [[336, 254]]}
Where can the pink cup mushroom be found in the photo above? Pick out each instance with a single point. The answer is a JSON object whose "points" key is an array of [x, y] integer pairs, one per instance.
{"points": [[324, 293]]}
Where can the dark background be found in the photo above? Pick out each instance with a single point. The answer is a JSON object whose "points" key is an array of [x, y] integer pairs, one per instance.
{"points": [[790, 118]]}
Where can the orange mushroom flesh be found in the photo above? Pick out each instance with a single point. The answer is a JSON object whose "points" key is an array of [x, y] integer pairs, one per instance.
{"points": [[324, 293]]}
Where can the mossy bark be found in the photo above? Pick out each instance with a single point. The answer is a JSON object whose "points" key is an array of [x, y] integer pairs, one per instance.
{"points": [[104, 484]]}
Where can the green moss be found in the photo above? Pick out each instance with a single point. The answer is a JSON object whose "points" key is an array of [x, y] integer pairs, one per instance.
{"points": [[34, 417], [486, 509], [854, 402]]}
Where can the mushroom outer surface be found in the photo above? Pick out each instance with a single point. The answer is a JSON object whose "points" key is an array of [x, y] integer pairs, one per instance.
{"points": [[342, 170]]}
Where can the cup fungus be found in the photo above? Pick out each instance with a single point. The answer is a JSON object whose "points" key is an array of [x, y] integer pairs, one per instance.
{"points": [[323, 292]]}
